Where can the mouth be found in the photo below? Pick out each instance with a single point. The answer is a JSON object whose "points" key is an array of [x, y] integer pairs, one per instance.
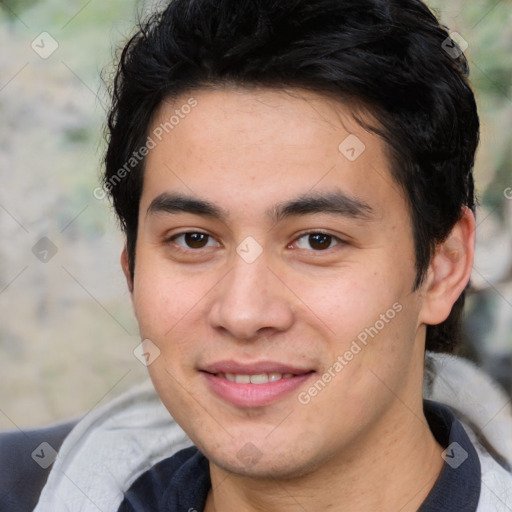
{"points": [[255, 385], [258, 378]]}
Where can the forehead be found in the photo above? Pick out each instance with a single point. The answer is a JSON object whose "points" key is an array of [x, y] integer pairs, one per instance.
{"points": [[248, 149]]}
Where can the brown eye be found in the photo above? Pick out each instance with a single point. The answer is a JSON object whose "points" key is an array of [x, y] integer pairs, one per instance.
{"points": [[317, 241], [196, 240], [192, 240], [320, 241]]}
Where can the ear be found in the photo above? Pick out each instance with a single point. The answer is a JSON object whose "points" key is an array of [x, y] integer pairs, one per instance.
{"points": [[449, 271], [125, 265]]}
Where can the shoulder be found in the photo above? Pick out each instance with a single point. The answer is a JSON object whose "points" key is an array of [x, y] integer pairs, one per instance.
{"points": [[496, 491], [475, 398], [109, 449], [485, 413], [25, 461]]}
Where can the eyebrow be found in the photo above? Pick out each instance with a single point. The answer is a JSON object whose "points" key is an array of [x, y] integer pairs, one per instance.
{"points": [[336, 202], [179, 203]]}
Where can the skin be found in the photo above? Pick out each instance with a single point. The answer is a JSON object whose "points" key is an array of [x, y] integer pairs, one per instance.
{"points": [[362, 443]]}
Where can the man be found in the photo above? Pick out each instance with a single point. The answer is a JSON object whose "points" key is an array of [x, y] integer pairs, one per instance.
{"points": [[294, 180]]}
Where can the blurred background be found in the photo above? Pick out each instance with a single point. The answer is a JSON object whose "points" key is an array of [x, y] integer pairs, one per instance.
{"points": [[67, 332]]}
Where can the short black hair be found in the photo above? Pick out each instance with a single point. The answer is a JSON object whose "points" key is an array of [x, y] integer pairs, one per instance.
{"points": [[391, 57]]}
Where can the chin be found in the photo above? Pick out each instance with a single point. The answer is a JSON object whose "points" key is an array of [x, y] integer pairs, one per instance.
{"points": [[268, 463]]}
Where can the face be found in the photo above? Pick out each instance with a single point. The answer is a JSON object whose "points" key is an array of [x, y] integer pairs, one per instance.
{"points": [[273, 277]]}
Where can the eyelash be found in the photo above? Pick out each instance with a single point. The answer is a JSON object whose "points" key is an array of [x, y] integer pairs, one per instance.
{"points": [[302, 235], [182, 249], [332, 237]]}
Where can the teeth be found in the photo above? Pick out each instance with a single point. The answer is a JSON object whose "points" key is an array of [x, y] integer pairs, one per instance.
{"points": [[260, 378]]}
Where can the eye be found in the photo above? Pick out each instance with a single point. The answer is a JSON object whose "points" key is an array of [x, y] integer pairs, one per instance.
{"points": [[193, 240], [317, 241]]}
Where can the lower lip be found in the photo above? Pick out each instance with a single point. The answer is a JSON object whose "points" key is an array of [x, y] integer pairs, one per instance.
{"points": [[254, 395]]}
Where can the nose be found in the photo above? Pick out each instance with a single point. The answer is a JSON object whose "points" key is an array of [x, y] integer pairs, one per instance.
{"points": [[250, 300]]}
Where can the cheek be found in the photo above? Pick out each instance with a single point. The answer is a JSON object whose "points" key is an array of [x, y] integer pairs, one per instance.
{"points": [[350, 300], [161, 298]]}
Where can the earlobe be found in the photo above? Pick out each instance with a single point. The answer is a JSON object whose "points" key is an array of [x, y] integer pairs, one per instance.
{"points": [[125, 265], [449, 270]]}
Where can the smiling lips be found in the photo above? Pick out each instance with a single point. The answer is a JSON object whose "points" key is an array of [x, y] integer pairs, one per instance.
{"points": [[259, 378], [253, 385]]}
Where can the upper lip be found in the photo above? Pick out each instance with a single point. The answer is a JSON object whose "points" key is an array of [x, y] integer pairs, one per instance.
{"points": [[253, 368]]}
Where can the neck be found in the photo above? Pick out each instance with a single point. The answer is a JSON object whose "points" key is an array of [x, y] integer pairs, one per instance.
{"points": [[391, 468]]}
